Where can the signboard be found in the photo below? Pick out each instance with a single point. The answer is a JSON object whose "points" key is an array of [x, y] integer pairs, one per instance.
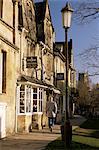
{"points": [[60, 76], [31, 62]]}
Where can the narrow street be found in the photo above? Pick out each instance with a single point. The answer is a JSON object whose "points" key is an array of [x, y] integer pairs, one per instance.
{"points": [[36, 140]]}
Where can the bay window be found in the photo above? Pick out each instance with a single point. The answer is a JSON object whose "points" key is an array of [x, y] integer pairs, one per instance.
{"points": [[30, 99], [22, 99]]}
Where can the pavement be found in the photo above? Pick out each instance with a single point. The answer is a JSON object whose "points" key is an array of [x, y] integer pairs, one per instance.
{"points": [[37, 139], [76, 121]]}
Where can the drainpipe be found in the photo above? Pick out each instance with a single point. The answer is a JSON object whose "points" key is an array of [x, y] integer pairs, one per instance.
{"points": [[42, 69]]}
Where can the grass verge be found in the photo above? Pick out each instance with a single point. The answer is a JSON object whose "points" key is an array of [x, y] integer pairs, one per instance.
{"points": [[85, 137]]}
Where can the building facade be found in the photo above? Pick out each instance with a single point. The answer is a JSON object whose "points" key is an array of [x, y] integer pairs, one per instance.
{"points": [[29, 65], [60, 48], [9, 65], [35, 83]]}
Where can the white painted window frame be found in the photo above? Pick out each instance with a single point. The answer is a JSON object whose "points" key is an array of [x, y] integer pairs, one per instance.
{"points": [[38, 100]]}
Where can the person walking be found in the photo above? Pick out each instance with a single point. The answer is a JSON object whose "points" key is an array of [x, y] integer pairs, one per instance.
{"points": [[50, 110], [54, 112]]}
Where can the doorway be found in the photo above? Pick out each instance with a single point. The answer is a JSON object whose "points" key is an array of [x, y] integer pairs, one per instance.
{"points": [[2, 120]]}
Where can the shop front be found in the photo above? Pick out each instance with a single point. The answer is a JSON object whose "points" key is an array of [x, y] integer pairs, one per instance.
{"points": [[32, 95], [31, 104]]}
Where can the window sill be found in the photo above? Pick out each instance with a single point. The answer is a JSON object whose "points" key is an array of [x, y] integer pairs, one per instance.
{"points": [[27, 114]]}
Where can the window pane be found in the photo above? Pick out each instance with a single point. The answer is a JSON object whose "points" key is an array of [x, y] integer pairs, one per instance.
{"points": [[4, 72], [41, 106], [34, 105], [41, 95], [34, 96], [22, 94], [28, 107], [22, 110], [22, 88], [28, 99], [34, 90], [22, 99], [21, 102]]}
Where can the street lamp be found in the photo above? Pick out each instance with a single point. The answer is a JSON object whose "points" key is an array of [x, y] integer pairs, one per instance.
{"points": [[66, 19]]}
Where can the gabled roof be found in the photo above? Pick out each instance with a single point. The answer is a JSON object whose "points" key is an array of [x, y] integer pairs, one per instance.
{"points": [[40, 9], [37, 82]]}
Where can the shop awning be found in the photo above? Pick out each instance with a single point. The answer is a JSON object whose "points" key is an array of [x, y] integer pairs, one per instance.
{"points": [[27, 80]]}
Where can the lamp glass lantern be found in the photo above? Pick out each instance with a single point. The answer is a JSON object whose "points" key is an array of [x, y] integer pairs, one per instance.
{"points": [[66, 15]]}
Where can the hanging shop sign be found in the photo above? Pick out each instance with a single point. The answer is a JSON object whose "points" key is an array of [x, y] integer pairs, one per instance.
{"points": [[60, 76], [31, 62]]}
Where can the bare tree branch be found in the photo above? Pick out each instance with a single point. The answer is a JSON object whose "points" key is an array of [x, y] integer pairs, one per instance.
{"points": [[86, 11]]}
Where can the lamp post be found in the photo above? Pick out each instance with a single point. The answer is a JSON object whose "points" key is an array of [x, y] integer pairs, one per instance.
{"points": [[66, 19]]}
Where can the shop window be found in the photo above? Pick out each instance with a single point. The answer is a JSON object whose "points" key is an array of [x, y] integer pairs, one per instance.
{"points": [[40, 100], [25, 99], [37, 99], [28, 99], [22, 99], [1, 8], [34, 99]]}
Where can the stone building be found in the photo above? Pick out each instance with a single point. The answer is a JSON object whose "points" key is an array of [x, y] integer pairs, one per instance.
{"points": [[60, 70], [9, 65], [28, 65], [59, 80], [35, 83]]}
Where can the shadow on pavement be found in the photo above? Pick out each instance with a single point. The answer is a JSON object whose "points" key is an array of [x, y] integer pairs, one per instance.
{"points": [[31, 141], [59, 145]]}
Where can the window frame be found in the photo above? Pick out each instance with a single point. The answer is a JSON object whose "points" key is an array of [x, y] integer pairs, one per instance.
{"points": [[39, 100], [3, 71]]}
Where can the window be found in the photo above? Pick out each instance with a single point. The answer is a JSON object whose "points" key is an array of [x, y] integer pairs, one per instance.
{"points": [[3, 72], [30, 99], [37, 99], [40, 100], [25, 99], [34, 99], [20, 16], [1, 8], [22, 99]]}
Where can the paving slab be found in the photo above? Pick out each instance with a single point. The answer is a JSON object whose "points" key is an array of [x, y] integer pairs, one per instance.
{"points": [[37, 139], [30, 141]]}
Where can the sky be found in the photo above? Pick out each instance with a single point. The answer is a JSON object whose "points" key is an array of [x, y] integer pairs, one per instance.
{"points": [[83, 35]]}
